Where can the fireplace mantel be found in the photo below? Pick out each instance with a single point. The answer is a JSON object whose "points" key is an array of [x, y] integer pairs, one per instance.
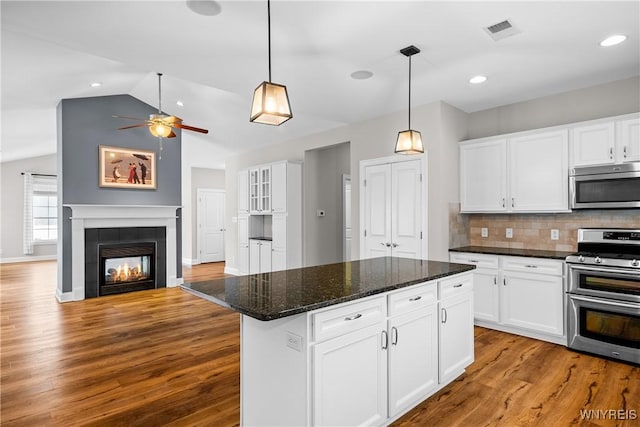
{"points": [[112, 216]]}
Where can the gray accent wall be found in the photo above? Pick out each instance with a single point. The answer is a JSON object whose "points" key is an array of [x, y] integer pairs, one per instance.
{"points": [[83, 125]]}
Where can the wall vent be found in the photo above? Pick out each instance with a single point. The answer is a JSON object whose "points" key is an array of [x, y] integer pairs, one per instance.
{"points": [[501, 30]]}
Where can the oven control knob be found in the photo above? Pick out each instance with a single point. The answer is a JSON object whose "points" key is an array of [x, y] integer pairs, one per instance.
{"points": [[598, 260], [635, 263], [581, 258]]}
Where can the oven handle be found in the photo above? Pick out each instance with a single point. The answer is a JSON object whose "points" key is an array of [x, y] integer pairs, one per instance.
{"points": [[575, 267], [603, 301]]}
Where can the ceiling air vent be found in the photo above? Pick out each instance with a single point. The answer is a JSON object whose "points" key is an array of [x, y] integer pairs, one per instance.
{"points": [[501, 30]]}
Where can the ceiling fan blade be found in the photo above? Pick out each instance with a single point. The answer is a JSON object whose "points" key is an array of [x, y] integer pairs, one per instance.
{"points": [[130, 118], [133, 126], [187, 127], [172, 135]]}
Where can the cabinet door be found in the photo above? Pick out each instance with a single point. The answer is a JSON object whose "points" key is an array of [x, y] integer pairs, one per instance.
{"points": [[629, 141], [377, 211], [254, 256], [456, 335], [539, 172], [279, 242], [254, 191], [483, 176], [406, 209], [243, 230], [486, 295], [350, 379], [592, 144], [243, 259], [265, 257], [279, 187], [265, 189], [533, 301], [243, 192], [413, 357]]}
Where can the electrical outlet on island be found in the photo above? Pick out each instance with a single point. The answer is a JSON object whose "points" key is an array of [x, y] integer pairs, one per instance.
{"points": [[484, 232], [509, 233], [555, 234]]}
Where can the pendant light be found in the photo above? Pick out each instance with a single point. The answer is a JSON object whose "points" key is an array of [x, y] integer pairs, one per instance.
{"points": [[409, 141], [270, 101]]}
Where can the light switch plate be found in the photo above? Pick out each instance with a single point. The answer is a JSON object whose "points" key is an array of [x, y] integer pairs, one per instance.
{"points": [[555, 234], [484, 232], [509, 233]]}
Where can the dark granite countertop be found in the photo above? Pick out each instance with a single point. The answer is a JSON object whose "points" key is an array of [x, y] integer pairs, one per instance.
{"points": [[268, 296], [533, 253]]}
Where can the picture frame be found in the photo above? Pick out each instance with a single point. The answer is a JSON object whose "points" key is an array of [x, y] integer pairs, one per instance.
{"points": [[127, 168]]}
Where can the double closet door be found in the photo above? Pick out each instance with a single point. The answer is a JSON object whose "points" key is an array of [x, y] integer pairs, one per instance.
{"points": [[393, 212]]}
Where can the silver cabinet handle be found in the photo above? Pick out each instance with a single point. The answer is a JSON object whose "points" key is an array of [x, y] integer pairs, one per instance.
{"points": [[394, 336], [395, 245], [384, 244], [474, 261], [503, 201], [624, 151], [388, 244], [531, 266], [459, 285], [444, 315], [513, 202], [611, 152], [357, 316], [385, 340], [415, 298], [495, 280], [504, 281]]}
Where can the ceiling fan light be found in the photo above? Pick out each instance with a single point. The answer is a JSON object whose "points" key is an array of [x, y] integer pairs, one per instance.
{"points": [[160, 130], [270, 104], [409, 142]]}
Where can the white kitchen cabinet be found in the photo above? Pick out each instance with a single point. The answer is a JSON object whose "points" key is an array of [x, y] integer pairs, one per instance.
{"points": [[483, 176], [350, 379], [392, 209], [519, 295], [279, 187], [259, 256], [455, 338], [279, 242], [265, 189], [605, 142], [413, 357], [243, 192], [254, 191], [525, 172], [243, 244], [538, 172]]}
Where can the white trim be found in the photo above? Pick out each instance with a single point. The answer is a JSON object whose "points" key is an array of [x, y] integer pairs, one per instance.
{"points": [[29, 258], [63, 296], [190, 262], [231, 270]]}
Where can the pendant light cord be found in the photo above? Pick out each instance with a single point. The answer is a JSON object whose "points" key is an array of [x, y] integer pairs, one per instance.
{"points": [[409, 93], [269, 34], [159, 94]]}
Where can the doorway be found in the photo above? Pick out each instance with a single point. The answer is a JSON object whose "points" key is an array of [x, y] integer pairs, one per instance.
{"points": [[210, 223], [346, 217]]}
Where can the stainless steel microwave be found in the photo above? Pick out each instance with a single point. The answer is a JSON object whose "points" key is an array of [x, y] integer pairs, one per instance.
{"points": [[604, 187]]}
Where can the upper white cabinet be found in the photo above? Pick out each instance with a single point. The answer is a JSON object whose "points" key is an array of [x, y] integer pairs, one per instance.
{"points": [[260, 190], [525, 172], [605, 142]]}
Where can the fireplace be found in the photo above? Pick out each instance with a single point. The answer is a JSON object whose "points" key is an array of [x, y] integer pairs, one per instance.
{"points": [[126, 267]]}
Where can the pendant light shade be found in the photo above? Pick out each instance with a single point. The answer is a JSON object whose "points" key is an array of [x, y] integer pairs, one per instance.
{"points": [[409, 141], [270, 100], [159, 130], [270, 104]]}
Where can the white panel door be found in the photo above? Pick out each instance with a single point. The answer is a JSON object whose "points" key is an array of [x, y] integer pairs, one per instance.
{"points": [[486, 295], [593, 144], [413, 357], [483, 176], [350, 379], [406, 209], [629, 140], [456, 335], [211, 226], [279, 187], [243, 192], [538, 172], [279, 242], [377, 211], [265, 256], [254, 256]]}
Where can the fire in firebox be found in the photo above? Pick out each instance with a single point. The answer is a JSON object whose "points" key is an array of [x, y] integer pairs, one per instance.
{"points": [[131, 269]]}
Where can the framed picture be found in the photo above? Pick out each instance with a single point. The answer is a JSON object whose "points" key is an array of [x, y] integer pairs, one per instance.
{"points": [[127, 168]]}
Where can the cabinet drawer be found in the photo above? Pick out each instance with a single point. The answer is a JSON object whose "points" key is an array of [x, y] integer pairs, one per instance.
{"points": [[412, 298], [479, 260], [455, 286], [347, 318], [533, 265]]}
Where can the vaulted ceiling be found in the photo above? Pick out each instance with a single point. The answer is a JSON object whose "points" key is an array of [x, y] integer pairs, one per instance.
{"points": [[53, 50]]}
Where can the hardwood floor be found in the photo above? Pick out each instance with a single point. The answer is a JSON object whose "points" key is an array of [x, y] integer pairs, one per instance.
{"points": [[165, 357]]}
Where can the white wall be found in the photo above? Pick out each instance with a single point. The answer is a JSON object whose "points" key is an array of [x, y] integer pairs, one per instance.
{"points": [[11, 208]]}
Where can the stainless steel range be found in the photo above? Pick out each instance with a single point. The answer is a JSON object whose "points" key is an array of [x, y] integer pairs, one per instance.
{"points": [[604, 294]]}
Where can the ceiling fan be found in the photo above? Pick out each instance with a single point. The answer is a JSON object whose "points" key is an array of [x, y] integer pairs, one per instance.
{"points": [[161, 125]]}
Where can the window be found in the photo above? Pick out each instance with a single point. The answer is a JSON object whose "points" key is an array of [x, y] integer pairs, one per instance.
{"points": [[45, 216]]}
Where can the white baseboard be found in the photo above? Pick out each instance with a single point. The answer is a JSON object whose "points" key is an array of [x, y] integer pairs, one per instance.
{"points": [[28, 258], [64, 296], [190, 262], [231, 270]]}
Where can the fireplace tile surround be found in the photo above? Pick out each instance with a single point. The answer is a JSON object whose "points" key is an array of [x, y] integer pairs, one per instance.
{"points": [[87, 217]]}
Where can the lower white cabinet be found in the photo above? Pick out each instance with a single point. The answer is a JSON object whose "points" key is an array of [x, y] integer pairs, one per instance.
{"points": [[259, 256], [362, 363], [520, 295]]}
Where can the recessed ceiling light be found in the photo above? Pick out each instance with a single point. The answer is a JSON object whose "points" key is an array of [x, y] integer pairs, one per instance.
{"points": [[180, 103], [477, 79], [613, 40], [205, 7], [361, 75], [96, 84]]}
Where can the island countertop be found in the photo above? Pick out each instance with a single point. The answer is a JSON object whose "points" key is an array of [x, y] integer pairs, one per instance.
{"points": [[268, 296]]}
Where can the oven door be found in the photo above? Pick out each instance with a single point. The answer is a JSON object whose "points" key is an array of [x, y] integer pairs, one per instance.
{"points": [[605, 327], [605, 282], [607, 190]]}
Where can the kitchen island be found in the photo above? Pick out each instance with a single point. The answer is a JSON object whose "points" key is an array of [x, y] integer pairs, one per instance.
{"points": [[354, 343]]}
